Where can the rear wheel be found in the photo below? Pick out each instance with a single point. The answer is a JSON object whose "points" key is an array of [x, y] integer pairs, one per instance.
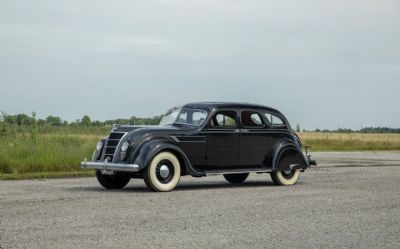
{"points": [[285, 178], [236, 178], [112, 181], [163, 173]]}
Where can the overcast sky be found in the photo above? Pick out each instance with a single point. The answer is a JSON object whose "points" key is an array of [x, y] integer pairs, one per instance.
{"points": [[324, 64]]}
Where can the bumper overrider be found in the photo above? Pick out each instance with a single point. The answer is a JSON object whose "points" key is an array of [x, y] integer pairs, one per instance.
{"points": [[310, 161], [107, 166]]}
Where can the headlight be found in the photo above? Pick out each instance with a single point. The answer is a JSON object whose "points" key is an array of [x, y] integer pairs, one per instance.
{"points": [[99, 145], [124, 146]]}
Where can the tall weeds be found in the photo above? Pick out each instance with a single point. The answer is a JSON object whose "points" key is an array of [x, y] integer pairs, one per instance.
{"points": [[30, 149]]}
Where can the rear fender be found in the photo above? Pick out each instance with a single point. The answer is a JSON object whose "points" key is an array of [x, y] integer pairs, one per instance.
{"points": [[288, 156]]}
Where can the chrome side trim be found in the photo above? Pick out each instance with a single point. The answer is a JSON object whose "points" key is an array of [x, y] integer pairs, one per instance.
{"points": [[191, 139], [106, 166], [221, 172]]}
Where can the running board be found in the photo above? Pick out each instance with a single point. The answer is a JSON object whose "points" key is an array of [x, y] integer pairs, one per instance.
{"points": [[236, 171]]}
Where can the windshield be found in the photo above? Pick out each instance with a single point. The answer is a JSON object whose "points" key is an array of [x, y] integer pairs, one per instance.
{"points": [[185, 116]]}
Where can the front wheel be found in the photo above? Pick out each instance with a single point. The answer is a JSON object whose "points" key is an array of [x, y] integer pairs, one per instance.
{"points": [[112, 181], [236, 178], [285, 178], [163, 173]]}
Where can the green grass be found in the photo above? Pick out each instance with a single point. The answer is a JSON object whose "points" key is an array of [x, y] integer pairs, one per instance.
{"points": [[22, 153], [55, 153]]}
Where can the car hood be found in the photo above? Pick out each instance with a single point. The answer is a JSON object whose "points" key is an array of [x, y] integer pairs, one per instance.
{"points": [[137, 132]]}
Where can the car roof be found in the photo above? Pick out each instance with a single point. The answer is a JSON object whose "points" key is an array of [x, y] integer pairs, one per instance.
{"points": [[211, 105]]}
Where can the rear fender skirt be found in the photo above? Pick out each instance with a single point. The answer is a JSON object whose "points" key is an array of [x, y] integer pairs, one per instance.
{"points": [[288, 156], [143, 155]]}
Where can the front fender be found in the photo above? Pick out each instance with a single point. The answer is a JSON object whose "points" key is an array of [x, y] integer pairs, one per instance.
{"points": [[143, 155], [288, 155]]}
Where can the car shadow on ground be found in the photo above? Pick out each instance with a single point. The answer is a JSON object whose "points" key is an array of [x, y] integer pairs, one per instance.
{"points": [[220, 185], [181, 187]]}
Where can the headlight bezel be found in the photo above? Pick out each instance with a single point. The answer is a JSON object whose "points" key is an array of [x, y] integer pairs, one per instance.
{"points": [[125, 146], [99, 145]]}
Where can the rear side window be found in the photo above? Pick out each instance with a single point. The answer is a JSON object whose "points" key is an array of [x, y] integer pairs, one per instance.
{"points": [[224, 119], [251, 119], [274, 120]]}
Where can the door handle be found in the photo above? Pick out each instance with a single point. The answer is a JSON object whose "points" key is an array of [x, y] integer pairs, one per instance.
{"points": [[236, 131], [244, 130]]}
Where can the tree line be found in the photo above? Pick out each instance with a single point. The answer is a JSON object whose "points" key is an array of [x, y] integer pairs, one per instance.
{"points": [[363, 130], [27, 120]]}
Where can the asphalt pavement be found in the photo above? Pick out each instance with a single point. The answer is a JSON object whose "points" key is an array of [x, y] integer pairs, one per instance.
{"points": [[351, 200]]}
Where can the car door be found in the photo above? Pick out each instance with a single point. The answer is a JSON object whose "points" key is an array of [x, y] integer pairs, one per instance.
{"points": [[192, 142], [222, 134], [254, 139]]}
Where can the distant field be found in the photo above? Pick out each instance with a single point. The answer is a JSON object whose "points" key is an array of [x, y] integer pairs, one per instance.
{"points": [[57, 152], [350, 141]]}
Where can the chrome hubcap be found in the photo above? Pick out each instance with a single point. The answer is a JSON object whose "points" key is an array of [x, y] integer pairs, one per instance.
{"points": [[287, 172], [164, 171]]}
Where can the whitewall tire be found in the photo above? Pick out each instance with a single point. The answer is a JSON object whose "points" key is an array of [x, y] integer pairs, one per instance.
{"points": [[163, 173], [285, 178]]}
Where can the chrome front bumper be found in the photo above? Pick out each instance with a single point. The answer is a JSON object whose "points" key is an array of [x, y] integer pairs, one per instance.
{"points": [[110, 167]]}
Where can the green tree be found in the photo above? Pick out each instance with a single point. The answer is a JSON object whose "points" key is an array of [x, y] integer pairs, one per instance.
{"points": [[298, 128], [56, 121], [9, 119], [23, 119], [86, 120]]}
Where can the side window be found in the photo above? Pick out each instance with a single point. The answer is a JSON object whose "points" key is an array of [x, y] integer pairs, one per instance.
{"points": [[224, 119], [251, 119], [192, 117], [274, 120], [199, 117], [182, 117]]}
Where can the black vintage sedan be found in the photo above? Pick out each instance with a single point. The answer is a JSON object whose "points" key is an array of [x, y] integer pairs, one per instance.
{"points": [[201, 139]]}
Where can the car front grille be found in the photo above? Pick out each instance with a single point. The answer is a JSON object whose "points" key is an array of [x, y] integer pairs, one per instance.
{"points": [[111, 145]]}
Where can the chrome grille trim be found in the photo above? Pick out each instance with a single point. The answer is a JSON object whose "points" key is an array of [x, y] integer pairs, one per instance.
{"points": [[109, 151]]}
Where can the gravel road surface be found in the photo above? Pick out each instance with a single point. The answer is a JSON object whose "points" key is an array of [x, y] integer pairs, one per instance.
{"points": [[351, 200]]}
